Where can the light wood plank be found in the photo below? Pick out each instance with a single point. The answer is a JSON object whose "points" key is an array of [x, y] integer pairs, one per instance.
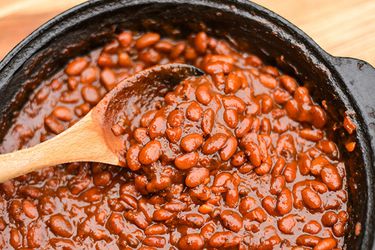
{"points": [[343, 28]]}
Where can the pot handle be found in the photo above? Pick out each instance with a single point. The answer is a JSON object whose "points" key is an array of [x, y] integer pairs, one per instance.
{"points": [[359, 77]]}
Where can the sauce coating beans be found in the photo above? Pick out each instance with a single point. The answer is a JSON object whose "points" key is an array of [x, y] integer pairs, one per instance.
{"points": [[237, 159]]}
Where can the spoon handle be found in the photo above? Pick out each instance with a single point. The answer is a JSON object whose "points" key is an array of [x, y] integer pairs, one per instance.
{"points": [[82, 142]]}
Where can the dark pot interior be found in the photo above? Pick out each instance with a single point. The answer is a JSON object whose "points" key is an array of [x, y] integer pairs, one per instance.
{"points": [[255, 29]]}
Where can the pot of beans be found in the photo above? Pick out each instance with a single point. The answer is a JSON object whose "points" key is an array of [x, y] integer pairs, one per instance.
{"points": [[272, 148]]}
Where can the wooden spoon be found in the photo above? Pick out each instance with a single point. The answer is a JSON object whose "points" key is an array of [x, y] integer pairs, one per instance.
{"points": [[91, 139]]}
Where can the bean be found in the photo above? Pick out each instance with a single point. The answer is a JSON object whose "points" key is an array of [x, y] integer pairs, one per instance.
{"points": [[229, 148], [132, 158], [90, 94], [263, 169], [191, 142], [157, 127], [307, 240], [137, 218], [231, 220], [288, 83], [14, 238], [141, 135], [232, 84], [246, 205], [29, 209], [310, 198], [194, 220], [158, 183], [326, 244], [76, 66], [208, 120], [89, 75], [130, 201], [162, 215], [243, 127], [106, 60], [343, 216], [304, 163], [257, 214], [329, 219], [197, 176], [269, 204], [231, 118], [253, 61], [214, 143], [163, 46], [125, 38], [311, 135], [186, 161], [267, 104], [154, 241], [265, 126], [60, 226], [328, 147], [331, 177], [174, 134], [175, 118], [200, 42], [91, 195], [53, 125], [312, 227], [317, 165], [82, 109], [339, 229], [8, 187], [221, 239], [149, 56], [301, 95], [290, 171], [175, 206], [203, 94], [319, 117], [284, 201], [111, 47], [156, 229], [238, 159], [277, 184], [253, 152], [233, 102], [62, 113], [287, 223], [281, 97], [124, 59], [150, 153], [292, 109], [147, 40], [108, 78], [194, 112], [147, 118], [268, 81], [191, 242], [177, 50]]}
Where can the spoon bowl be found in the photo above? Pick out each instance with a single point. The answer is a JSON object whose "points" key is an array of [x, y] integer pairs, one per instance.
{"points": [[91, 139]]}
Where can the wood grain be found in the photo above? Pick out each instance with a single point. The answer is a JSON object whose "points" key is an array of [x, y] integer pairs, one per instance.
{"points": [[343, 28], [81, 143]]}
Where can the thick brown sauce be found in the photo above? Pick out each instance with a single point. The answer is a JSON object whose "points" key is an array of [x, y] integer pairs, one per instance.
{"points": [[96, 206]]}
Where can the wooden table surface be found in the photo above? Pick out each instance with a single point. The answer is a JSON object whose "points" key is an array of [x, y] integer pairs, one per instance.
{"points": [[342, 27]]}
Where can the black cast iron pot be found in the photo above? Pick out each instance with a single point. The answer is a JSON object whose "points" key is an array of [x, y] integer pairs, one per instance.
{"points": [[347, 84]]}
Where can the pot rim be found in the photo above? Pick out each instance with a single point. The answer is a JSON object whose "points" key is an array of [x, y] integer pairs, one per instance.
{"points": [[24, 50]]}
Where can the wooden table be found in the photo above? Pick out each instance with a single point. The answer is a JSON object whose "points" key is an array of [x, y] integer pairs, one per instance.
{"points": [[343, 27]]}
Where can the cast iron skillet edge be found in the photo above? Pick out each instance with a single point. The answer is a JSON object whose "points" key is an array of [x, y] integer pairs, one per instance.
{"points": [[359, 78]]}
